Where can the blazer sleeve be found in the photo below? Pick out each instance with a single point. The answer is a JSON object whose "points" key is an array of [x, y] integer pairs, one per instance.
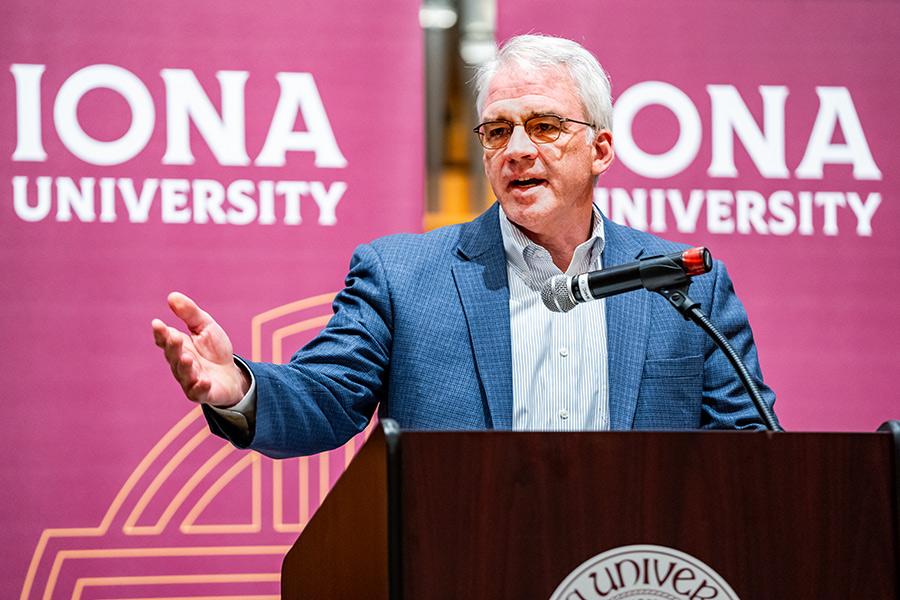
{"points": [[726, 405], [329, 390]]}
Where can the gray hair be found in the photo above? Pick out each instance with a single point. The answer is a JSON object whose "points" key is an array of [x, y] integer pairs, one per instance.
{"points": [[542, 52]]}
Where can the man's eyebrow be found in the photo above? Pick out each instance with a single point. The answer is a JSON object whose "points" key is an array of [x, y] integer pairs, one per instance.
{"points": [[524, 117]]}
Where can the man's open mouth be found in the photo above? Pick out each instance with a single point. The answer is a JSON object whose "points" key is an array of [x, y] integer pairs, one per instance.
{"points": [[526, 183]]}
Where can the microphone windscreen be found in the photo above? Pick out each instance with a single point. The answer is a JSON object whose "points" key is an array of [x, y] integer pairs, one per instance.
{"points": [[555, 294]]}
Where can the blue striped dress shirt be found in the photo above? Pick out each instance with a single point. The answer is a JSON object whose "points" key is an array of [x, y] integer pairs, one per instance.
{"points": [[560, 370]]}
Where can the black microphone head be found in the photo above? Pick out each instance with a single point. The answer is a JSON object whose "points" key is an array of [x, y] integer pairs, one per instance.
{"points": [[555, 294]]}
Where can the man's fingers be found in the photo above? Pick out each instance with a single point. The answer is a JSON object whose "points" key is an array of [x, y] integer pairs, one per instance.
{"points": [[199, 361], [186, 371], [187, 310], [174, 346], [196, 385], [160, 332], [169, 339], [199, 391], [184, 364]]}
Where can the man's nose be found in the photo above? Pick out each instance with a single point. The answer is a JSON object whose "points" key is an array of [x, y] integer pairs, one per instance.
{"points": [[520, 145]]}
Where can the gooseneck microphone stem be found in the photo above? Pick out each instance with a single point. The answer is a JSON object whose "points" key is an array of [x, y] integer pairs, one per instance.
{"points": [[690, 310], [668, 275]]}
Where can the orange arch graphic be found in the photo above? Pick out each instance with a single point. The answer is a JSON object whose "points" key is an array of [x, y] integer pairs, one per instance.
{"points": [[197, 518]]}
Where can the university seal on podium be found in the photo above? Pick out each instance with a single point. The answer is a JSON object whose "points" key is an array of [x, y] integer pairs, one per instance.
{"points": [[643, 572]]}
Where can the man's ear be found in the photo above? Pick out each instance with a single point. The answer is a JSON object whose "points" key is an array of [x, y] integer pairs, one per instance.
{"points": [[603, 152]]}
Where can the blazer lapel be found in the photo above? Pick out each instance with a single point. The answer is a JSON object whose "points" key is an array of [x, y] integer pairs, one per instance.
{"points": [[627, 324], [481, 281]]}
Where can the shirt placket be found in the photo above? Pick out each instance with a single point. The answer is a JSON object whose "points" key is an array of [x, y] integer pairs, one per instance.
{"points": [[582, 376], [563, 416]]}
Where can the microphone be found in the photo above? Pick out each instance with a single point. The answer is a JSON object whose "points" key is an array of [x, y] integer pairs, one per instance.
{"points": [[562, 293]]}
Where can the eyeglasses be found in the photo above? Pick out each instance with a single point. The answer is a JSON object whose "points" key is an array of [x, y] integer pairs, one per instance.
{"points": [[541, 129]]}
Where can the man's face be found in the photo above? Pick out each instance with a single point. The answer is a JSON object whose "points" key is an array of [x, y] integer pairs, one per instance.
{"points": [[547, 189]]}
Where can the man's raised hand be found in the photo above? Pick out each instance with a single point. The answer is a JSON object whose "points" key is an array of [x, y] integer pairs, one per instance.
{"points": [[202, 362]]}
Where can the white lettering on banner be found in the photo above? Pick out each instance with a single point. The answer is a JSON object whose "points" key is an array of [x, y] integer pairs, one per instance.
{"points": [[243, 209], [28, 112], [186, 103], [107, 200], [79, 199], [173, 197], [864, 211], [266, 191], [718, 211], [25, 211], [750, 211], [292, 190], [741, 211], [299, 95], [730, 115], [327, 200], [836, 138], [685, 149], [836, 108], [201, 201], [79, 143], [138, 206]]}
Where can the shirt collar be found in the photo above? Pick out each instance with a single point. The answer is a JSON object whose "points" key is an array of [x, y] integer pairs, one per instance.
{"points": [[532, 262]]}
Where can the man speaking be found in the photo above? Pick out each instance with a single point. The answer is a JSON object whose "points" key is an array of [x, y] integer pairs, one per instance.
{"points": [[446, 330]]}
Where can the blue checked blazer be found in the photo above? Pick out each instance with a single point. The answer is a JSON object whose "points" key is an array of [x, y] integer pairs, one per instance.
{"points": [[422, 332]]}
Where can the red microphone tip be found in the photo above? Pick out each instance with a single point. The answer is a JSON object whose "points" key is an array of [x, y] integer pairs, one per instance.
{"points": [[696, 261]]}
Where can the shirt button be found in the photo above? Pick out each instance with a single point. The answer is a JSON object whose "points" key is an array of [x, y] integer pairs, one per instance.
{"points": [[564, 352], [563, 414]]}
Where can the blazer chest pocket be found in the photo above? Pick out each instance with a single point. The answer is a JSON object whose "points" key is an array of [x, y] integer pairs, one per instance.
{"points": [[682, 366], [671, 393]]}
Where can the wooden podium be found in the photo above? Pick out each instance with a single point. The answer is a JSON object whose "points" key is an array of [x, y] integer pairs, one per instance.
{"points": [[466, 515]]}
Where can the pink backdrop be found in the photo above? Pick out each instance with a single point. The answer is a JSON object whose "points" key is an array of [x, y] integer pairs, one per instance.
{"points": [[235, 151], [113, 488], [803, 208]]}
